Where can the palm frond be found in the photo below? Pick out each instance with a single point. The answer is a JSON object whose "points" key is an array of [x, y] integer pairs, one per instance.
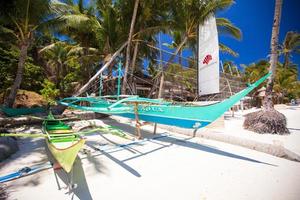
{"points": [[228, 50], [226, 27]]}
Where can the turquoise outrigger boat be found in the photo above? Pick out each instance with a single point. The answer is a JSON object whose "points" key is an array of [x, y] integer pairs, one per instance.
{"points": [[159, 111]]}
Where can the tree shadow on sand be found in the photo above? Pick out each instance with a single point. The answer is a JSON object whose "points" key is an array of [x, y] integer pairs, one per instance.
{"points": [[171, 140], [109, 156], [28, 146], [76, 177]]}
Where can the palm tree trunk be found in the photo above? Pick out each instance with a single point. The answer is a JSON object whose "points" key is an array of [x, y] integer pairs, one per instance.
{"points": [[133, 62], [286, 60], [135, 51], [20, 71], [180, 58], [161, 84], [268, 103], [129, 45]]}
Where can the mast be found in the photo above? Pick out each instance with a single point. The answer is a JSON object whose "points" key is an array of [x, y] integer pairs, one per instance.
{"points": [[100, 85], [85, 87], [119, 79]]}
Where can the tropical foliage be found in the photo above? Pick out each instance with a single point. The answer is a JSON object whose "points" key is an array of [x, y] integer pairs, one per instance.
{"points": [[54, 47], [286, 84], [291, 44]]}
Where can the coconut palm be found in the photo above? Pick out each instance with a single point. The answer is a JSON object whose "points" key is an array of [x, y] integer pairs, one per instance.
{"points": [[231, 68], [286, 84], [149, 20], [268, 103], [80, 23], [253, 71], [196, 13], [22, 19], [291, 44], [60, 55], [136, 4], [96, 25], [269, 120]]}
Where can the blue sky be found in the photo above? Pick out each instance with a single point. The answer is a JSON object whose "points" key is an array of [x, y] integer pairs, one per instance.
{"points": [[255, 18]]}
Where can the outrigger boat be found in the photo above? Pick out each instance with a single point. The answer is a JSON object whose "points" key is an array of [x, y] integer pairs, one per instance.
{"points": [[62, 141], [186, 115], [159, 111]]}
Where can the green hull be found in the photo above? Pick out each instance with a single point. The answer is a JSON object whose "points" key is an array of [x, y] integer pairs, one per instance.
{"points": [[65, 156]]}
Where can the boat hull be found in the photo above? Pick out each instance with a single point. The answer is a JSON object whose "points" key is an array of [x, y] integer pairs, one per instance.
{"points": [[65, 156], [179, 122], [182, 115], [63, 143]]}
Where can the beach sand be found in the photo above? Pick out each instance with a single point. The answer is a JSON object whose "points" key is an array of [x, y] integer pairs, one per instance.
{"points": [[163, 166]]}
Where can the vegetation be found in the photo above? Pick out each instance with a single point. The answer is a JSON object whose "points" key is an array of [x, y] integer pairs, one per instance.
{"points": [[268, 120], [49, 92], [54, 47], [21, 20], [291, 44]]}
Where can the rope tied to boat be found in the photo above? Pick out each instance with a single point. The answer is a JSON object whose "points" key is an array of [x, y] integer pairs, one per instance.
{"points": [[24, 170]]}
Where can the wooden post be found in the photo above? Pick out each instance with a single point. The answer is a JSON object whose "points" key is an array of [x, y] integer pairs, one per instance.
{"points": [[155, 127], [161, 81], [137, 122]]}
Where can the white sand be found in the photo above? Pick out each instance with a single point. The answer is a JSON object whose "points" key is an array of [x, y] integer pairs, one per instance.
{"points": [[173, 167], [234, 126]]}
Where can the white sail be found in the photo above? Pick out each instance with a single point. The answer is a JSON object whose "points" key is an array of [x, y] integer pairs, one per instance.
{"points": [[208, 58]]}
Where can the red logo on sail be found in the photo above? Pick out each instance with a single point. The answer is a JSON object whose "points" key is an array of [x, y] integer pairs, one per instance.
{"points": [[207, 59]]}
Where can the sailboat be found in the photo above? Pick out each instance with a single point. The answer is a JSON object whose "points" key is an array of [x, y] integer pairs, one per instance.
{"points": [[184, 115]]}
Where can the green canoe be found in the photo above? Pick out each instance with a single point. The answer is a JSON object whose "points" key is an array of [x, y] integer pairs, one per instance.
{"points": [[62, 141]]}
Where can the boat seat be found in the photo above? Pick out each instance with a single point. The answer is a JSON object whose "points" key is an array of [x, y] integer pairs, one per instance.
{"points": [[58, 127], [60, 131], [64, 139], [55, 123]]}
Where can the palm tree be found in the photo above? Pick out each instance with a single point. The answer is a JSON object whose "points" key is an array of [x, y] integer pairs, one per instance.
{"points": [[269, 120], [150, 19], [291, 44], [80, 23], [268, 103], [197, 13], [253, 71], [59, 55], [97, 25], [136, 4], [286, 84], [22, 19], [186, 17]]}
